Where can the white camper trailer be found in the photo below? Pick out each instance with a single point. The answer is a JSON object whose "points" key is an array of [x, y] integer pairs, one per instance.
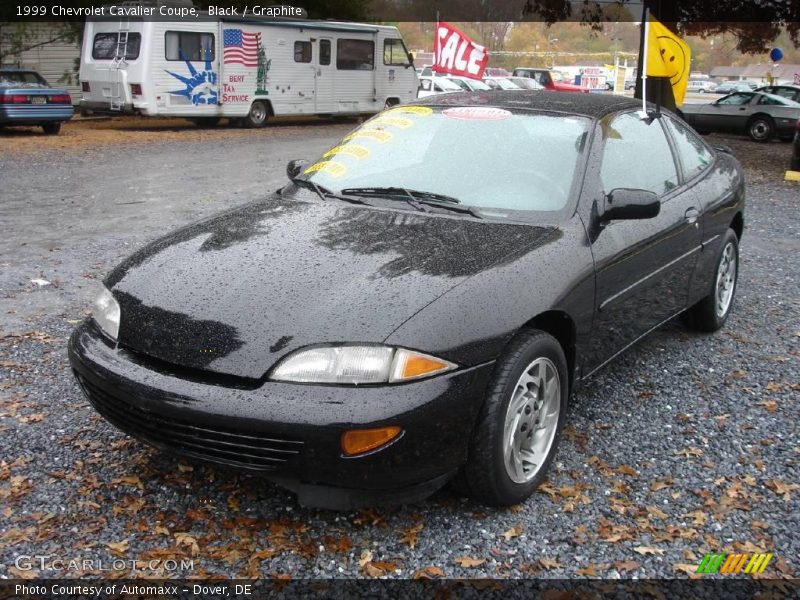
{"points": [[245, 70]]}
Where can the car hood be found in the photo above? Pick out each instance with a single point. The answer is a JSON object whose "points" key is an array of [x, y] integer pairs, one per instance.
{"points": [[234, 293]]}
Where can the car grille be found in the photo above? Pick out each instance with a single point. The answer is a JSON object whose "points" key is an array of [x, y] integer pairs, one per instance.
{"points": [[245, 450]]}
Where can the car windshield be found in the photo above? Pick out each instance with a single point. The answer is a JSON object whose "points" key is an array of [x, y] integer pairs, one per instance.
{"points": [[443, 150], [506, 84], [22, 79], [446, 85], [476, 84]]}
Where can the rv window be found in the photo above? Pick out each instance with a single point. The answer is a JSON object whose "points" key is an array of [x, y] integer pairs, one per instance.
{"points": [[189, 45], [355, 55], [324, 52], [106, 45], [395, 53], [302, 52]]}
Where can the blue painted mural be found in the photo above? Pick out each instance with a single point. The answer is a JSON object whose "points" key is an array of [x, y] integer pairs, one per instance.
{"points": [[201, 86]]}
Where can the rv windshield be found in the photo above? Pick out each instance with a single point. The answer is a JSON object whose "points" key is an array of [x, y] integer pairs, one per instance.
{"points": [[443, 150]]}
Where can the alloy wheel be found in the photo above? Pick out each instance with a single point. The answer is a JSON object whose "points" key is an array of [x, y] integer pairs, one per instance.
{"points": [[531, 420], [726, 280]]}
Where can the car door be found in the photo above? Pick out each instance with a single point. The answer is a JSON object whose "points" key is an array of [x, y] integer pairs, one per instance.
{"points": [[643, 267], [729, 113]]}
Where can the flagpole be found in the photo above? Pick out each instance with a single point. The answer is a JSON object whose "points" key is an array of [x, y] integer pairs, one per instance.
{"points": [[437, 51], [646, 29]]}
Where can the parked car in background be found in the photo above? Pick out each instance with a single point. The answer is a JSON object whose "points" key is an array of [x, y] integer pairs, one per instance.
{"points": [[468, 84], [429, 86], [526, 83], [761, 116], [630, 84], [702, 86], [795, 164], [729, 87], [496, 72], [549, 79], [501, 83], [489, 299], [792, 92], [27, 99]]}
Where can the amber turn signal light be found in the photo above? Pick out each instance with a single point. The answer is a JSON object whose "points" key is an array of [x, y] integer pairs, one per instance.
{"points": [[359, 441]]}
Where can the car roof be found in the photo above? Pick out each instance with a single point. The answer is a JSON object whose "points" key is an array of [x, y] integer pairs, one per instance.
{"points": [[577, 103]]}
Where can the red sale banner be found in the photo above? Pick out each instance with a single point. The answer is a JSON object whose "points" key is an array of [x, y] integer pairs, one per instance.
{"points": [[456, 54]]}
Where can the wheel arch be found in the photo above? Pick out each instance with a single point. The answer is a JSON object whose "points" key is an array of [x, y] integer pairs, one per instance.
{"points": [[737, 224], [561, 326]]}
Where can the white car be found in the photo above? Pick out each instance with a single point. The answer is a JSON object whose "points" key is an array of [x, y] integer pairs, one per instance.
{"points": [[429, 86], [701, 85], [501, 83], [469, 85]]}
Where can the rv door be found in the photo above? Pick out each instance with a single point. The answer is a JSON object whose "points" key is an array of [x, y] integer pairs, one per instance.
{"points": [[304, 74], [323, 77]]}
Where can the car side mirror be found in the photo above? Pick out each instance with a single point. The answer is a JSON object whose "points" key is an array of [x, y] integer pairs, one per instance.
{"points": [[295, 167], [629, 204]]}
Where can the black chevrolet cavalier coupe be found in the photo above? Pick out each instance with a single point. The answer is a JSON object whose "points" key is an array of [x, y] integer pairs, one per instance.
{"points": [[419, 303]]}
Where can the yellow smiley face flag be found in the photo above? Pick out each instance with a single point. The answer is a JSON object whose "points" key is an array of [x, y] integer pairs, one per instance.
{"points": [[668, 56]]}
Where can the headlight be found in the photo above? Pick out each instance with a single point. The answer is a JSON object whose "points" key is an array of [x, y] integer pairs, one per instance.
{"points": [[358, 365], [106, 313]]}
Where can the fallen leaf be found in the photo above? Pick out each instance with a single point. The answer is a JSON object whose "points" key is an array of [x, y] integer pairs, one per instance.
{"points": [[549, 563], [698, 516], [186, 540], [782, 488], [626, 565], [686, 568], [627, 470], [769, 405], [429, 572], [645, 550], [118, 548], [662, 483], [689, 452], [515, 531], [774, 387], [588, 571], [410, 535], [656, 512], [469, 562]]}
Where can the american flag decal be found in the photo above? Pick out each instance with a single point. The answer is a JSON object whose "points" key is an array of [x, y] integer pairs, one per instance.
{"points": [[240, 47]]}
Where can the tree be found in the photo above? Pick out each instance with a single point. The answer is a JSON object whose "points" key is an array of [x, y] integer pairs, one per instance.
{"points": [[21, 36]]}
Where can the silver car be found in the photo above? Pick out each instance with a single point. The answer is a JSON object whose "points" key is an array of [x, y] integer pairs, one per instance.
{"points": [[761, 116]]}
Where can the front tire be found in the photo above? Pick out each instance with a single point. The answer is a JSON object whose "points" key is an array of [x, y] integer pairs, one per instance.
{"points": [[711, 312], [519, 426], [761, 128], [258, 115], [51, 128]]}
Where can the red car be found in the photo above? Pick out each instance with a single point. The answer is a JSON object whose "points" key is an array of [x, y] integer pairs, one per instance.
{"points": [[549, 79]]}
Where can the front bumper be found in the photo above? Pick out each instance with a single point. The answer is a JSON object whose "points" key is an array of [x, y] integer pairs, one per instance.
{"points": [[289, 433]]}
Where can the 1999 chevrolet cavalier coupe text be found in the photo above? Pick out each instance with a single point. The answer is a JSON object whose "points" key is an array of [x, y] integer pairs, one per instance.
{"points": [[418, 304]]}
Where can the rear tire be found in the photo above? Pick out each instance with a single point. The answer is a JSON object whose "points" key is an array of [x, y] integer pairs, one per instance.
{"points": [[711, 312], [258, 115], [51, 128], [761, 128], [519, 426]]}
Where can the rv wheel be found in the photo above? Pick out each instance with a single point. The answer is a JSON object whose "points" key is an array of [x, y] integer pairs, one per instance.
{"points": [[257, 117]]}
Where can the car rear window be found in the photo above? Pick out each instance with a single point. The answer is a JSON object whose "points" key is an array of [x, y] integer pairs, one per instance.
{"points": [[499, 161], [24, 78], [107, 45]]}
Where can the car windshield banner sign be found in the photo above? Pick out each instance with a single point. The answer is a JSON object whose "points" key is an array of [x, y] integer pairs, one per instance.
{"points": [[456, 54]]}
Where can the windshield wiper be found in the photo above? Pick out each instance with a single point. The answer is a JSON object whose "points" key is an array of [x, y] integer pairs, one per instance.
{"points": [[325, 193], [416, 198]]}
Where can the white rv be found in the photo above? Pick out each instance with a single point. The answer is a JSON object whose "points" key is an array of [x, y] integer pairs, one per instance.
{"points": [[246, 70]]}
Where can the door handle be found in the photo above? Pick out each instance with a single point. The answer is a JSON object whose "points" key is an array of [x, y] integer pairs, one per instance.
{"points": [[691, 215]]}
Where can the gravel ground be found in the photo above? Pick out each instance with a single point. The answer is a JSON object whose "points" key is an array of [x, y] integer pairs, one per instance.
{"points": [[685, 445]]}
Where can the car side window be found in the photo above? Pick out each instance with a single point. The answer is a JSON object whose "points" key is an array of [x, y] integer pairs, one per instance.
{"points": [[637, 155], [693, 153], [769, 100], [736, 99]]}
